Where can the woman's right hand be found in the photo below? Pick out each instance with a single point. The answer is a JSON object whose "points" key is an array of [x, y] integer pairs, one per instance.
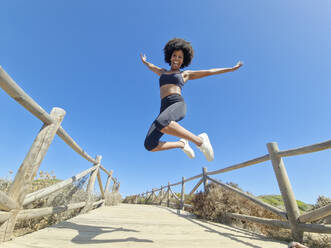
{"points": [[143, 58]]}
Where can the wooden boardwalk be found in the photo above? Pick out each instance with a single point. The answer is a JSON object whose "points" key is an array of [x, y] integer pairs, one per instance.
{"points": [[140, 226]]}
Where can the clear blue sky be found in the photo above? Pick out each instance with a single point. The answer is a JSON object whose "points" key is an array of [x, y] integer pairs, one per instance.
{"points": [[83, 56]]}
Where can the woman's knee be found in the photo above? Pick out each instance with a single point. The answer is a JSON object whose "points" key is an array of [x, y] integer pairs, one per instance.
{"points": [[150, 144]]}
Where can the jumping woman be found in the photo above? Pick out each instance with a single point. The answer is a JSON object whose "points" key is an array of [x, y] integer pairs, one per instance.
{"points": [[178, 53]]}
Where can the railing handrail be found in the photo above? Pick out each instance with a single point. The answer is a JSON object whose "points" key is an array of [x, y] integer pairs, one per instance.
{"points": [[20, 96], [13, 202], [296, 222], [291, 152]]}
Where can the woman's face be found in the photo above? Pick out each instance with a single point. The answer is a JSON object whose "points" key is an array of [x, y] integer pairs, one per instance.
{"points": [[177, 59]]}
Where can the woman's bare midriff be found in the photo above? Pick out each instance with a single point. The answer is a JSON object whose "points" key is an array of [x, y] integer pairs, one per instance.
{"points": [[169, 89]]}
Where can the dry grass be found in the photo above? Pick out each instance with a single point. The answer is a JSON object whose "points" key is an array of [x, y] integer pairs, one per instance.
{"points": [[113, 198], [217, 202], [71, 194]]}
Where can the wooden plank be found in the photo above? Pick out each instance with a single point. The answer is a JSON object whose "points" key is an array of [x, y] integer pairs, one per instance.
{"points": [[305, 149], [196, 186], [286, 190], [252, 198], [241, 165], [316, 214], [55, 187], [6, 203], [265, 221]]}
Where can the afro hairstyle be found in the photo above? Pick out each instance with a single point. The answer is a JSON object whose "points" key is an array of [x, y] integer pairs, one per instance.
{"points": [[178, 44]]}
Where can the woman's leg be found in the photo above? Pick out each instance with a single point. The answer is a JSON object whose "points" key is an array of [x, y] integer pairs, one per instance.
{"points": [[162, 146], [177, 130], [153, 143]]}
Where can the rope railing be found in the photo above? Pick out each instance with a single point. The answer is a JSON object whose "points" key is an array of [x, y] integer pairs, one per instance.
{"points": [[12, 202], [292, 219]]}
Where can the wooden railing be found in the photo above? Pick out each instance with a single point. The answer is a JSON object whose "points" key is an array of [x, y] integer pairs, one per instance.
{"points": [[12, 202], [291, 217]]}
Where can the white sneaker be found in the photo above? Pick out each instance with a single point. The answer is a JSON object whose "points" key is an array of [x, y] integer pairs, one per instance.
{"points": [[206, 147], [187, 149]]}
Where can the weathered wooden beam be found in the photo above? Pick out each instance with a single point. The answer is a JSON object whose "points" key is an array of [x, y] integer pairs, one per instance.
{"points": [[7, 228], [164, 196], [4, 216], [252, 198], [33, 159], [196, 186], [168, 195], [265, 221], [18, 94], [305, 149], [71, 143], [108, 182], [97, 203], [90, 186], [316, 228], [100, 185], [40, 212], [182, 195], [316, 214], [193, 178], [174, 195], [286, 190], [7, 203], [205, 179], [55, 187], [241, 165], [102, 168]]}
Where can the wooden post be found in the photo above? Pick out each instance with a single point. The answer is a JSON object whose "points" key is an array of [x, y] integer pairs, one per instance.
{"points": [[152, 196], [182, 197], [168, 196], [205, 180], [161, 195], [286, 191], [106, 190], [29, 168], [100, 185], [90, 186], [114, 185]]}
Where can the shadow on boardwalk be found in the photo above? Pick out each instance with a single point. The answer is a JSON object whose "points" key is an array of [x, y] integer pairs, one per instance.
{"points": [[87, 233], [208, 226]]}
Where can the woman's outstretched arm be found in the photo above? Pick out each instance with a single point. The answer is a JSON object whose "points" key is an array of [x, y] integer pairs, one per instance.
{"points": [[204, 73], [150, 66]]}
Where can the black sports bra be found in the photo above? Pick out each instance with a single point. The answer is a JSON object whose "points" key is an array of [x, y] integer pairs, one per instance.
{"points": [[174, 78]]}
